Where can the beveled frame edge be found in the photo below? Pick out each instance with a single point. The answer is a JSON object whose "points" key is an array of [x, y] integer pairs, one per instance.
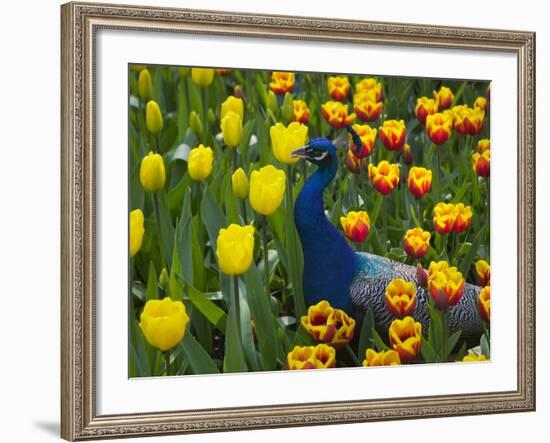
{"points": [[78, 24]]}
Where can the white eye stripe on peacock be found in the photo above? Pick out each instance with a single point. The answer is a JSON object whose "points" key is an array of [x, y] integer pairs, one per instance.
{"points": [[316, 154]]}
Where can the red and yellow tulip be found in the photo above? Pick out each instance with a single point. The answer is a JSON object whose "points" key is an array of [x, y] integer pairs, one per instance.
{"points": [[444, 97], [405, 338], [368, 137], [311, 357], [481, 163], [400, 298], [425, 106], [382, 358], [356, 225], [384, 177], [416, 242], [338, 87], [367, 108], [445, 284], [353, 163], [371, 86], [329, 325], [301, 112], [485, 303], [463, 218], [282, 82], [483, 271], [393, 134], [439, 127], [336, 114], [419, 181]]}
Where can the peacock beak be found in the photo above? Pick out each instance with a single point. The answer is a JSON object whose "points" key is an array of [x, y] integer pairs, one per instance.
{"points": [[300, 153]]}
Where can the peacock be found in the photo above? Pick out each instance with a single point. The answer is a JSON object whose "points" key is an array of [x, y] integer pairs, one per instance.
{"points": [[356, 281]]}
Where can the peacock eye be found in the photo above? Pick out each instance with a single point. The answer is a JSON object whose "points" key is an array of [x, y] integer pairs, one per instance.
{"points": [[316, 154]]}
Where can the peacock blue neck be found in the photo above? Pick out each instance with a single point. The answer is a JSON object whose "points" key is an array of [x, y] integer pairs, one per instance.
{"points": [[330, 265]]}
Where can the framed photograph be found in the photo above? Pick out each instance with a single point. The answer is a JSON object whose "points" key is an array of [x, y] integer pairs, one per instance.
{"points": [[283, 221]]}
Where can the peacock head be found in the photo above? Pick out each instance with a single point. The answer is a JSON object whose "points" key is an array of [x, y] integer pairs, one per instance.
{"points": [[322, 152], [319, 151]]}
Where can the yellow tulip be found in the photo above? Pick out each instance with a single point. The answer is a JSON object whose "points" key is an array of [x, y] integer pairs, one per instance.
{"points": [[232, 129], [234, 104], [200, 162], [239, 184], [136, 231], [153, 117], [284, 140], [202, 77], [235, 247], [152, 173], [163, 323], [474, 357], [267, 188], [145, 85], [382, 358]]}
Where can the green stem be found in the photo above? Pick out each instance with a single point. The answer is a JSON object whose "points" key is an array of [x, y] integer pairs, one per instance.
{"points": [[304, 170], [235, 158], [420, 214], [350, 352], [167, 361], [445, 335], [266, 256], [243, 210], [237, 303], [157, 216]]}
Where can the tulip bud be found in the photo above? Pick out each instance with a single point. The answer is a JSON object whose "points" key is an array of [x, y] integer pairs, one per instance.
{"points": [[233, 104], [211, 116], [353, 163], [408, 156], [202, 77], [239, 184], [232, 129], [238, 92], [152, 173], [153, 117], [195, 123], [421, 275], [145, 85], [272, 103], [136, 231], [288, 107], [164, 279]]}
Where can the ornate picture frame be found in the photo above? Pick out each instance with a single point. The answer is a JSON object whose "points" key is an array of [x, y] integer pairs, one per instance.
{"points": [[80, 23]]}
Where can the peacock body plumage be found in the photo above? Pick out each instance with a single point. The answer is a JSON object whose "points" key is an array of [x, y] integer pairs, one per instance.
{"points": [[355, 281]]}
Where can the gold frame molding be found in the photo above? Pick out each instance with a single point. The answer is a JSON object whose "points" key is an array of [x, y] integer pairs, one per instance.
{"points": [[79, 22]]}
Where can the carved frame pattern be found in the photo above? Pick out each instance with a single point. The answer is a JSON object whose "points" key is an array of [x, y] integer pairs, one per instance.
{"points": [[79, 24]]}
